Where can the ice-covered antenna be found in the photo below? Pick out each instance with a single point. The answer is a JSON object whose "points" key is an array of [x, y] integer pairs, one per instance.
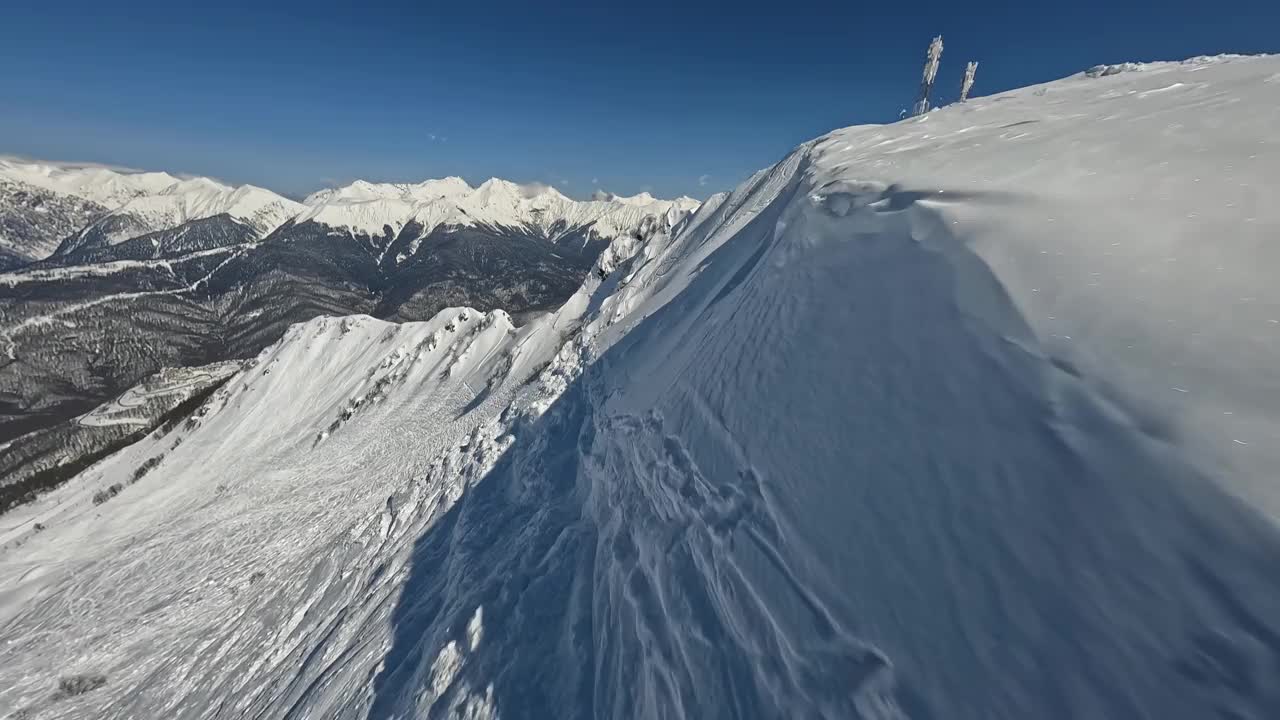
{"points": [[930, 72], [969, 71]]}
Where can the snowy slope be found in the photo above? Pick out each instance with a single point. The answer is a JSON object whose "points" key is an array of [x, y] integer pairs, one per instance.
{"points": [[38, 461], [347, 402], [967, 416], [368, 207]]}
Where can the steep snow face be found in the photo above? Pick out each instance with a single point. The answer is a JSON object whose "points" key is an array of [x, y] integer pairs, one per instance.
{"points": [[1127, 220], [369, 207], [964, 417]]}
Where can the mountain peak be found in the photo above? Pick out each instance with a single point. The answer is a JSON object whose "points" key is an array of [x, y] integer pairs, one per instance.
{"points": [[154, 201], [643, 198], [369, 207], [110, 187]]}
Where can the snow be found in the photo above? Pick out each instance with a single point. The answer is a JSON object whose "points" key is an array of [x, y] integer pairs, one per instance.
{"points": [[369, 207], [362, 190], [968, 416], [157, 201], [198, 198], [169, 386], [1146, 228], [111, 187], [153, 200], [201, 198], [33, 221]]}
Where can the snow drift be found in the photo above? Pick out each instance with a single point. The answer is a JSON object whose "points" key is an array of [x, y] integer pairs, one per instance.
{"points": [[970, 416]]}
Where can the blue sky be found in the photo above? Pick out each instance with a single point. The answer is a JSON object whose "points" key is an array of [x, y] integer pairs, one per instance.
{"points": [[678, 98]]}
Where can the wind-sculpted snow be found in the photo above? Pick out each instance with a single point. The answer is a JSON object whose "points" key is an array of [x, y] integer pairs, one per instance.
{"points": [[924, 422]]}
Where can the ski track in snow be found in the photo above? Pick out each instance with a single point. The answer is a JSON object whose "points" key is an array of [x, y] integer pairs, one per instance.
{"points": [[886, 432]]}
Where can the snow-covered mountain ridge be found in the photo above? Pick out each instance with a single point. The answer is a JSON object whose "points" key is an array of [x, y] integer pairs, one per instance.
{"points": [[106, 186], [969, 416], [139, 203], [180, 203], [33, 221], [368, 207]]}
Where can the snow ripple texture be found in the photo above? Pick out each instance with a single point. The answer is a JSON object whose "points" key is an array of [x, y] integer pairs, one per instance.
{"points": [[969, 416]]}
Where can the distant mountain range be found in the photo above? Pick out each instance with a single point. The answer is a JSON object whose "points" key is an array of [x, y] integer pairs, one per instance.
{"points": [[110, 275], [55, 208], [60, 211]]}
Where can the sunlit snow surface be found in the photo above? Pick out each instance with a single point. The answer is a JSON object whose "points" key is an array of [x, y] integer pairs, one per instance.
{"points": [[971, 416]]}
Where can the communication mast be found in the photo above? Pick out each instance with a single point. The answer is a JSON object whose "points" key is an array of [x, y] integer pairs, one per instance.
{"points": [[969, 71], [930, 72]]}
